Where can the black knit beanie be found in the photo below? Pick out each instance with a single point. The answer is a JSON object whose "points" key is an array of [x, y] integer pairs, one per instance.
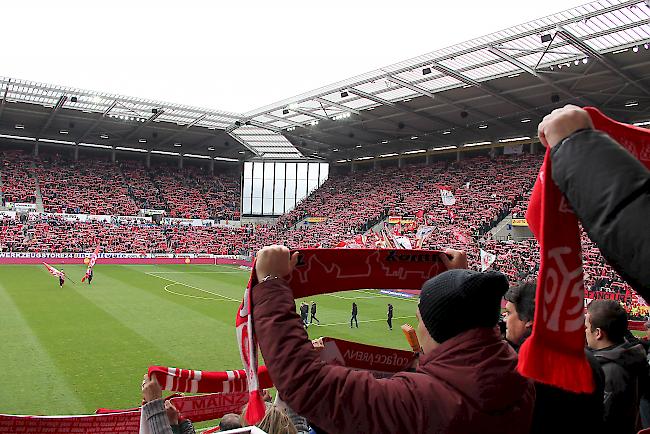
{"points": [[459, 300]]}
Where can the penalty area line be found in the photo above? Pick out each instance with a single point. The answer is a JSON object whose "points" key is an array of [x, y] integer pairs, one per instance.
{"points": [[194, 287]]}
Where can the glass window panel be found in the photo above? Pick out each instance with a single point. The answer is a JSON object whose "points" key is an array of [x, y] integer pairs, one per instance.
{"points": [[257, 188], [248, 170], [291, 188], [268, 206], [313, 171], [312, 184], [324, 172], [268, 188], [248, 185], [279, 188], [302, 171], [257, 170], [269, 171], [278, 207], [257, 206], [279, 171], [247, 206], [291, 171], [302, 189], [289, 204]]}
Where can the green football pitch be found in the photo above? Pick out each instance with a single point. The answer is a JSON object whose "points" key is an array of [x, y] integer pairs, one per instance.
{"points": [[75, 349]]}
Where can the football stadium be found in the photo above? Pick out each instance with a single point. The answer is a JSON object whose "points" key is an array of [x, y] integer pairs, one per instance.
{"points": [[453, 242]]}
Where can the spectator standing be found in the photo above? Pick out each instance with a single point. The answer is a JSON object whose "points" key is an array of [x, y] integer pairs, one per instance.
{"points": [[355, 311], [304, 313], [624, 364], [466, 380], [313, 313], [556, 410]]}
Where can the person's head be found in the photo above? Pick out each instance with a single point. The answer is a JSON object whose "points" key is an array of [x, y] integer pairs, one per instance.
{"points": [[647, 329], [520, 312], [275, 421], [456, 301], [229, 421], [605, 324]]}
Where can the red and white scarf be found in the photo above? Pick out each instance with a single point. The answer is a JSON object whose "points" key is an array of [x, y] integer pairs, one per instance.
{"points": [[323, 271], [554, 354]]}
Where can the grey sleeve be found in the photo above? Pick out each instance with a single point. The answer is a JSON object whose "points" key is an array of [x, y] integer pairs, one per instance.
{"points": [[609, 190], [156, 417]]}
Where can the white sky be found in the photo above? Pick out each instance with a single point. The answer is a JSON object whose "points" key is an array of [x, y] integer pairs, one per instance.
{"points": [[235, 55]]}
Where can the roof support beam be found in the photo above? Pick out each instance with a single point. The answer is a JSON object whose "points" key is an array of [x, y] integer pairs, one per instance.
{"points": [[486, 88], [97, 121], [508, 58], [139, 128], [178, 133], [580, 45], [50, 118], [338, 136], [3, 102]]}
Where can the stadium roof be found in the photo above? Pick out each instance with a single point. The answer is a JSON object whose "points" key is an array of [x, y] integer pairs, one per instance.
{"points": [[488, 88]]}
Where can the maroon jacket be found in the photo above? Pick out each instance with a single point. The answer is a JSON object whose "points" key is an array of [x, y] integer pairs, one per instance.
{"points": [[467, 385]]}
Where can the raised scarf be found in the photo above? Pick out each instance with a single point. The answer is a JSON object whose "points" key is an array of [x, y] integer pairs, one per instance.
{"points": [[554, 353]]}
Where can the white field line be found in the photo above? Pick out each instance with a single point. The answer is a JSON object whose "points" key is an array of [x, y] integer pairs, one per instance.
{"points": [[360, 321], [372, 294], [193, 287], [188, 295]]}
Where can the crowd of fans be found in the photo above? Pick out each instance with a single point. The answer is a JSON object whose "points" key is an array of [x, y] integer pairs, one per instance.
{"points": [[91, 186], [485, 189], [466, 379]]}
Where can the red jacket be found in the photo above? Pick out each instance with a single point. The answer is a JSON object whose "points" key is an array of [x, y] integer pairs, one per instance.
{"points": [[467, 385]]}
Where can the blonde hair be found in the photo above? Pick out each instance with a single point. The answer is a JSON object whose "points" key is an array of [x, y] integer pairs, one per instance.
{"points": [[275, 421]]}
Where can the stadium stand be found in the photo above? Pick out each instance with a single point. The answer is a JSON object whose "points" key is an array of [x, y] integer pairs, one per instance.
{"points": [[486, 190]]}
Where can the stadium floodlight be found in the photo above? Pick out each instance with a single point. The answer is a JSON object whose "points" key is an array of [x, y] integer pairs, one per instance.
{"points": [[514, 139], [444, 148], [314, 122], [94, 145], [341, 161], [642, 124], [392, 154], [358, 146], [426, 71], [344, 94], [525, 120], [620, 51], [178, 145], [63, 132], [241, 152], [58, 142], [417, 151], [196, 156], [482, 126], [469, 145], [164, 152], [414, 137], [210, 148], [446, 132], [142, 140], [384, 141], [335, 150], [631, 104], [20, 126], [103, 136], [226, 159], [364, 158], [126, 148]]}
